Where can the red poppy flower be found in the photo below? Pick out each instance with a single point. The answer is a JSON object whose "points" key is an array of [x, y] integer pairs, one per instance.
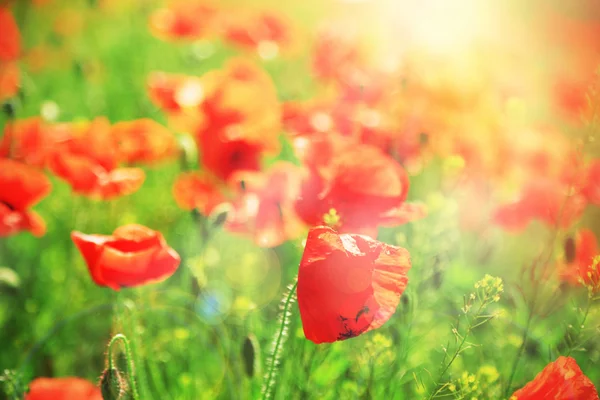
{"points": [[591, 189], [27, 140], [89, 178], [93, 140], [172, 92], [70, 388], [241, 119], [579, 268], [348, 284], [143, 141], [365, 187], [84, 155], [544, 200], [194, 190], [10, 37], [132, 256], [560, 380], [10, 77], [265, 205], [570, 96], [336, 55], [183, 19], [21, 187], [266, 33]]}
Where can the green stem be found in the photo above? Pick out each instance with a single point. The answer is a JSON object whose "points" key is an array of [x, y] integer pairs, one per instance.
{"points": [[129, 357], [278, 342], [515, 364], [580, 328]]}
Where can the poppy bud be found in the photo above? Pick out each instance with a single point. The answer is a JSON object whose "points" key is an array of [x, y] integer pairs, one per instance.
{"points": [[251, 355], [570, 250], [113, 385], [219, 215], [8, 108]]}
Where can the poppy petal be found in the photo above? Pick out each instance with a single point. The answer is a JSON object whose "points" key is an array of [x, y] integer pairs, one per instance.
{"points": [[134, 255], [348, 284], [560, 380], [21, 186], [63, 389]]}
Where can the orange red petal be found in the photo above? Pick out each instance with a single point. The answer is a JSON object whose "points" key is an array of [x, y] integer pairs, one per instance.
{"points": [[63, 389], [348, 284], [560, 380], [133, 255]]}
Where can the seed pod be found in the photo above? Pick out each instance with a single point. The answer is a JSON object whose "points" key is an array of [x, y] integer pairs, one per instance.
{"points": [[251, 355], [219, 215], [113, 385]]}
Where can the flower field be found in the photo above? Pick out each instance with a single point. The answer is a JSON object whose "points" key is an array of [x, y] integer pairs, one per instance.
{"points": [[317, 199]]}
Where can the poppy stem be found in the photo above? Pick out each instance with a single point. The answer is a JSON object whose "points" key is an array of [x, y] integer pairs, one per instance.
{"points": [[129, 357], [279, 341]]}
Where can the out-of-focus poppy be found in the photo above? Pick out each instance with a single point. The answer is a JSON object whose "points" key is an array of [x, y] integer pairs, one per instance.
{"points": [[265, 33], [93, 140], [10, 77], [89, 178], [348, 284], [21, 187], [264, 208], [184, 19], [143, 141], [70, 388], [172, 92], [195, 190], [84, 155], [560, 380], [365, 187], [579, 268], [544, 200], [10, 37], [241, 119], [133, 255], [27, 140], [591, 188], [336, 55]]}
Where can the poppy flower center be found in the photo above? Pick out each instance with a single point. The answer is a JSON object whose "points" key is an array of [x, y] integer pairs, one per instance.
{"points": [[8, 205]]}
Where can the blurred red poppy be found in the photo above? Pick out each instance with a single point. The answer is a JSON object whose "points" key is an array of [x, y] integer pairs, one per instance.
{"points": [[143, 141], [10, 76], [70, 388], [10, 37], [132, 256], [336, 55], [579, 268], [21, 187], [591, 188], [88, 178], [195, 190], [545, 200], [183, 19], [240, 119], [172, 92], [348, 284], [85, 156], [27, 140], [560, 380], [264, 208], [93, 140], [365, 187], [266, 33]]}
